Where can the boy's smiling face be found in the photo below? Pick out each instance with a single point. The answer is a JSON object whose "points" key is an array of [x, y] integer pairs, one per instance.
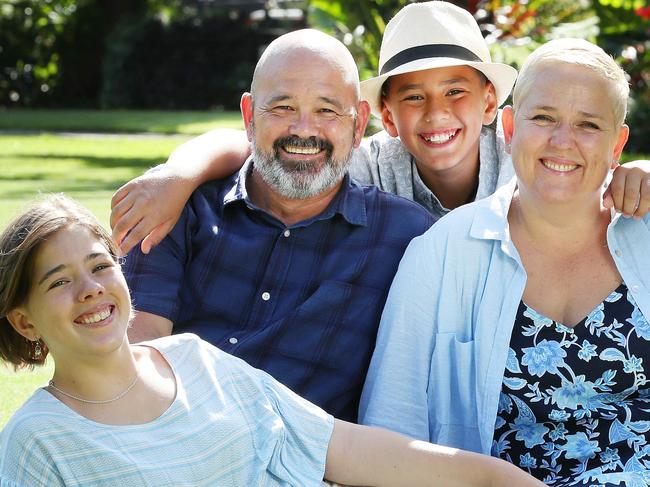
{"points": [[438, 115]]}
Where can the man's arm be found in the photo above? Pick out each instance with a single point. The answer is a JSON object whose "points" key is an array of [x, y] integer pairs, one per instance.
{"points": [[359, 455], [147, 326], [148, 207]]}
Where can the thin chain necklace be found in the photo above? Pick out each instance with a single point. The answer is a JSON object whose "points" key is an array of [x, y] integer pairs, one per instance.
{"points": [[106, 401]]}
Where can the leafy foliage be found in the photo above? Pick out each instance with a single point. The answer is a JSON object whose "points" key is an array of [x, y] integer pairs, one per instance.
{"points": [[51, 50], [29, 30], [180, 64], [60, 52], [625, 33], [359, 24]]}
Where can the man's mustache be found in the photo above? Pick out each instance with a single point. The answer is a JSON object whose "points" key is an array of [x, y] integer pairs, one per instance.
{"points": [[308, 143]]}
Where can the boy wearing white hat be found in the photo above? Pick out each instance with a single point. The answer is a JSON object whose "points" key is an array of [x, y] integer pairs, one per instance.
{"points": [[437, 94]]}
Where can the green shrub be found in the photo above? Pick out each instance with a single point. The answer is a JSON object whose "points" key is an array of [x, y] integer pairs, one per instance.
{"points": [[186, 64]]}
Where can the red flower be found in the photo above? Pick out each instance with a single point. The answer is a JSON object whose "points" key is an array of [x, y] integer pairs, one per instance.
{"points": [[643, 12]]}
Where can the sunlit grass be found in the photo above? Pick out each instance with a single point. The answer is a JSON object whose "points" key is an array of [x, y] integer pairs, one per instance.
{"points": [[166, 122], [89, 169], [16, 387]]}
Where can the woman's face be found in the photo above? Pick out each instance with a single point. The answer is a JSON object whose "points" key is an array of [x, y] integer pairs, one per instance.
{"points": [[564, 135], [79, 302]]}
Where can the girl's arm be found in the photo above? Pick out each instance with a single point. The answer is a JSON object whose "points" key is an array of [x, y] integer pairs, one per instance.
{"points": [[360, 455]]}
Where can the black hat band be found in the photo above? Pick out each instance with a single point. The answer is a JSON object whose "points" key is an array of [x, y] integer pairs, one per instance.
{"points": [[428, 51]]}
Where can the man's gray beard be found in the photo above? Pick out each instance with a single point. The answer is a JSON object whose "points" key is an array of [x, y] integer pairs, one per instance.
{"points": [[298, 184]]}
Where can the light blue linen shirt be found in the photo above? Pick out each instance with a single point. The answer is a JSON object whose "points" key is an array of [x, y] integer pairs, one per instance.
{"points": [[230, 425], [438, 366]]}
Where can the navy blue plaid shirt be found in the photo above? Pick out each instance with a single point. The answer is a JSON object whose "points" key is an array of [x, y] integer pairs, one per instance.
{"points": [[301, 302]]}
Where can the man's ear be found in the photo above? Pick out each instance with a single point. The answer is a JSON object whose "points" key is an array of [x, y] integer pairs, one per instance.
{"points": [[363, 115], [21, 323], [246, 106], [387, 118], [623, 134], [491, 107], [508, 122]]}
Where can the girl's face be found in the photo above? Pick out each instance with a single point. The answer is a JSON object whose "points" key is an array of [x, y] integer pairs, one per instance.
{"points": [[79, 302]]}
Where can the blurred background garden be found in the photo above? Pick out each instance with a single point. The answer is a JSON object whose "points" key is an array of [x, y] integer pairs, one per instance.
{"points": [[94, 92]]}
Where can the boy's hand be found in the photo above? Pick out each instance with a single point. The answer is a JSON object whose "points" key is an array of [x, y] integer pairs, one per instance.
{"points": [[629, 191], [147, 208]]}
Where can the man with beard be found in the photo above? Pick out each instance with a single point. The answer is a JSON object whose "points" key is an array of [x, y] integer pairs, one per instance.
{"points": [[288, 262]]}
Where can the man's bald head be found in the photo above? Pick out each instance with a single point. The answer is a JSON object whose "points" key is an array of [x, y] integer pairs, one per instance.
{"points": [[303, 115], [306, 46]]}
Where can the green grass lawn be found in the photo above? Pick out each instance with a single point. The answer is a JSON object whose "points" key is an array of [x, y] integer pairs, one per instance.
{"points": [[165, 122], [15, 387], [89, 169]]}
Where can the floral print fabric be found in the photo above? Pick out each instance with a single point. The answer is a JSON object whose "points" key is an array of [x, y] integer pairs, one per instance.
{"points": [[575, 402]]}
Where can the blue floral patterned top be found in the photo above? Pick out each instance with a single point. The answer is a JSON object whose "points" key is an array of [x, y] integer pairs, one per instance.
{"points": [[575, 402]]}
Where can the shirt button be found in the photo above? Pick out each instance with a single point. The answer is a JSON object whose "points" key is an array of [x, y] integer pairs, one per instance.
{"points": [[618, 252], [233, 340], [266, 296], [287, 232], [635, 289]]}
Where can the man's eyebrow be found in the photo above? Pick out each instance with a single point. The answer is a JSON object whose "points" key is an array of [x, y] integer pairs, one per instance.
{"points": [[60, 267], [278, 98], [325, 99], [331, 101]]}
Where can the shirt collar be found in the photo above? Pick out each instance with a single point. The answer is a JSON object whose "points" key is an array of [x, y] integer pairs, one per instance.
{"points": [[237, 191], [349, 202], [491, 216], [423, 195]]}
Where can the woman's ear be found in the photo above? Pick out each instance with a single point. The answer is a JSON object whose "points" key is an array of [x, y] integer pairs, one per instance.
{"points": [[21, 323], [623, 134]]}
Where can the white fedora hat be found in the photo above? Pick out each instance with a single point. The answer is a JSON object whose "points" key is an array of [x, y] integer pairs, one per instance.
{"points": [[434, 34]]}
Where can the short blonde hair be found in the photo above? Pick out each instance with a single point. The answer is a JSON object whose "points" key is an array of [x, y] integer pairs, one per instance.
{"points": [[579, 52]]}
